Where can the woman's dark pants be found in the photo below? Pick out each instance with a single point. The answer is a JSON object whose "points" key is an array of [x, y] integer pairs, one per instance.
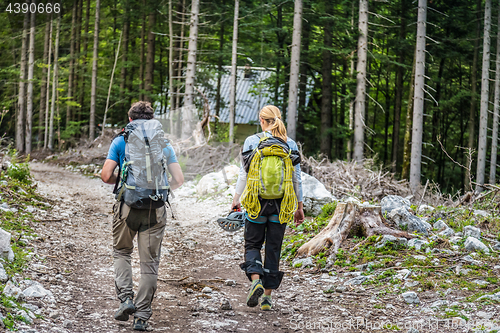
{"points": [[255, 235]]}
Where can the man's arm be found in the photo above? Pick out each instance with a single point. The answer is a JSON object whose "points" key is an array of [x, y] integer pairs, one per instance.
{"points": [[177, 176], [107, 173]]}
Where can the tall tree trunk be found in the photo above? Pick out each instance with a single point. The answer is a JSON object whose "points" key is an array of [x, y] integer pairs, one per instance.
{"points": [[350, 140], [45, 79], [485, 89], [31, 68], [141, 55], [47, 87], [219, 70], [359, 118], [303, 75], [150, 59], [189, 112], [123, 73], [279, 52], [326, 89], [84, 62], [54, 84], [93, 89], [494, 132], [399, 91], [294, 71], [22, 92], [71, 63], [170, 68], [405, 173], [387, 108], [418, 104], [180, 66], [76, 62], [341, 117], [473, 103], [234, 61]]}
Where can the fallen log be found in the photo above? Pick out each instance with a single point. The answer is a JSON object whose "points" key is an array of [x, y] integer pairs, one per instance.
{"points": [[349, 219]]}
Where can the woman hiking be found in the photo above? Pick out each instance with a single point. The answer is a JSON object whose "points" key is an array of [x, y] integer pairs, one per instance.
{"points": [[270, 189]]}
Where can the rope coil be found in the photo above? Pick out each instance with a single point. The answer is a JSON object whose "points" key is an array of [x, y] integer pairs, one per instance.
{"points": [[250, 197]]}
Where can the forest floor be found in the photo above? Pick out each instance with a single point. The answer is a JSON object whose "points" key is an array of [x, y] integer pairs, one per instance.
{"points": [[73, 259]]}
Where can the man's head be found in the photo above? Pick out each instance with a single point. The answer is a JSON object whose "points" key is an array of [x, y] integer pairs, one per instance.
{"points": [[141, 110]]}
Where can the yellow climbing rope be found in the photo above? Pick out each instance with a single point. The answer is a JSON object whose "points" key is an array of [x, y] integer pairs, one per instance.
{"points": [[250, 197]]}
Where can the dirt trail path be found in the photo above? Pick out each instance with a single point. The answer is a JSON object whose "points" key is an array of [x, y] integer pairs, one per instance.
{"points": [[77, 242], [75, 248]]}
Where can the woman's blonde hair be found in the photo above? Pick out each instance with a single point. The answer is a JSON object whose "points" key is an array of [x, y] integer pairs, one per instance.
{"points": [[272, 115]]}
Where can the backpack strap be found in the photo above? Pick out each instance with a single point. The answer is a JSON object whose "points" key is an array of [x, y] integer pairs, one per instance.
{"points": [[148, 156]]}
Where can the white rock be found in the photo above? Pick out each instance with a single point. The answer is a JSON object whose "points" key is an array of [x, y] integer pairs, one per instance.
{"points": [[479, 212], [411, 284], [67, 323], [455, 240], [448, 232], [480, 282], [417, 243], [5, 249], [419, 257], [357, 280], [304, 262], [391, 239], [494, 297], [225, 304], [315, 195], [424, 208], [439, 303], [27, 318], [11, 290], [54, 314], [411, 297], [472, 231], [471, 260], [215, 182], [36, 290], [207, 290], [439, 225], [3, 274], [391, 202], [402, 274], [404, 219], [230, 283], [474, 244]]}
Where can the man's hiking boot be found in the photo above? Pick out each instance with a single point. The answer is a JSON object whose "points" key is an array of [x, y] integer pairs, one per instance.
{"points": [[265, 303], [125, 310], [256, 290], [140, 324]]}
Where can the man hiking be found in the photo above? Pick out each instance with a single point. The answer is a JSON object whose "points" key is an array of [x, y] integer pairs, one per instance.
{"points": [[141, 186]]}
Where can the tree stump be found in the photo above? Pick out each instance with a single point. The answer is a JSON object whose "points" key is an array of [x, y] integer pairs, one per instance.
{"points": [[349, 219]]}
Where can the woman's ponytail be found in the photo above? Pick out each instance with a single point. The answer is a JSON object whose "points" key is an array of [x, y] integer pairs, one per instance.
{"points": [[272, 115]]}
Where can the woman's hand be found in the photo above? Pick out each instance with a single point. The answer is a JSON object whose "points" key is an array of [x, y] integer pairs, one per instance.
{"points": [[236, 202], [298, 217]]}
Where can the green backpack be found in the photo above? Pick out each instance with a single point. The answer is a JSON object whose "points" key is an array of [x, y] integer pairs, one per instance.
{"points": [[270, 171]]}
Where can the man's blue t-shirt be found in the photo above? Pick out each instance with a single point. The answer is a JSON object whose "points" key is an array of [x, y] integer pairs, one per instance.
{"points": [[117, 152]]}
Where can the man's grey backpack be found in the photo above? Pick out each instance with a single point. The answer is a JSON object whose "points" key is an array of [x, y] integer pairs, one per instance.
{"points": [[143, 177]]}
